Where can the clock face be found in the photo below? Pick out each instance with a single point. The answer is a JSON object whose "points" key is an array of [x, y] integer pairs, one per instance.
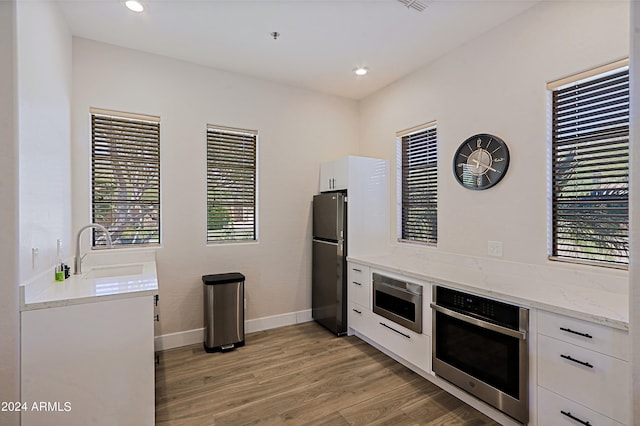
{"points": [[481, 161]]}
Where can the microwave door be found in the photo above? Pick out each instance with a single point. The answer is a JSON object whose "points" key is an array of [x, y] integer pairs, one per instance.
{"points": [[328, 216]]}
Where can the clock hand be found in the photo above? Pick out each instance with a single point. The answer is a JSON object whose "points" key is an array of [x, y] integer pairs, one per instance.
{"points": [[480, 163], [477, 163]]}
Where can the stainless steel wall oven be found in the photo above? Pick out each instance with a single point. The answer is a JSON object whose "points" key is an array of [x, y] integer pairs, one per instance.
{"points": [[480, 345], [398, 301]]}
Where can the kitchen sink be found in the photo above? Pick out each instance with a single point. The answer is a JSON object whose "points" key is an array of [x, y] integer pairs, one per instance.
{"points": [[114, 271]]}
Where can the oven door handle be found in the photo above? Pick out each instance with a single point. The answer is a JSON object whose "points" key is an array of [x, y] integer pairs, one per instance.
{"points": [[477, 322]]}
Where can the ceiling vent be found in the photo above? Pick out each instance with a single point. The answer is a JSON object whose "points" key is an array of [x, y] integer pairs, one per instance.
{"points": [[414, 4]]}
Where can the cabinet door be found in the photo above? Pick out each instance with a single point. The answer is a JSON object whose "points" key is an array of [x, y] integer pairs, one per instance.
{"points": [[408, 345], [592, 379], [359, 318], [597, 337], [334, 175], [558, 411], [341, 174], [359, 288], [326, 176], [95, 360]]}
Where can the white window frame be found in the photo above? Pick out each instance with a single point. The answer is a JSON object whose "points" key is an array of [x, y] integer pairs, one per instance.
{"points": [[144, 135], [432, 238], [613, 190], [251, 135]]}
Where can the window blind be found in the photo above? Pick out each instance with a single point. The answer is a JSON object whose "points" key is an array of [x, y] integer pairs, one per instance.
{"points": [[231, 184], [419, 175], [590, 170], [125, 179]]}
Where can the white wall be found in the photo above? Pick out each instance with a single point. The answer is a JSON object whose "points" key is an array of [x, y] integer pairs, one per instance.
{"points": [[634, 265], [44, 97], [496, 84], [35, 94], [297, 130], [9, 317]]}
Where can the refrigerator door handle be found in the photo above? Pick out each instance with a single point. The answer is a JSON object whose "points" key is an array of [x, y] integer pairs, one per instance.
{"points": [[333, 243], [339, 245]]}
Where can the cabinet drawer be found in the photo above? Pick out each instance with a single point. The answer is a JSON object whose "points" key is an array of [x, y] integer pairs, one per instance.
{"points": [[358, 318], [592, 379], [403, 342], [600, 338], [359, 286], [558, 411]]}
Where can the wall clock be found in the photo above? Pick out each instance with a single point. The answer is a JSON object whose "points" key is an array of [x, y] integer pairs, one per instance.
{"points": [[481, 161]]}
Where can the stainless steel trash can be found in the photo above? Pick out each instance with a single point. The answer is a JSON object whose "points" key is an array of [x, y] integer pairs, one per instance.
{"points": [[223, 311]]}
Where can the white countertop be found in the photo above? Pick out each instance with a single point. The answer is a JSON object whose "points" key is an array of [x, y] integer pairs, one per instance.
{"points": [[44, 292], [581, 292]]}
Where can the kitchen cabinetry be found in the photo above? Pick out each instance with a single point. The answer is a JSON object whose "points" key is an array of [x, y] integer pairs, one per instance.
{"points": [[334, 175], [583, 372], [396, 339], [92, 362], [399, 340], [359, 286], [358, 296], [366, 182]]}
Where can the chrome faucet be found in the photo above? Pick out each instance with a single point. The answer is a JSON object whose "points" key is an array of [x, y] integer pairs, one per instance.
{"points": [[78, 264]]}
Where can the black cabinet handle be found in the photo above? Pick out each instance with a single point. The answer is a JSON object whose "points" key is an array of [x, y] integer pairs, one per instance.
{"points": [[577, 361], [156, 317], [357, 311], [568, 330], [393, 329], [357, 283], [572, 417], [156, 298], [357, 270]]}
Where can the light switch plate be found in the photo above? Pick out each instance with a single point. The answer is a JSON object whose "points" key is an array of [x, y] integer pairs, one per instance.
{"points": [[494, 248]]}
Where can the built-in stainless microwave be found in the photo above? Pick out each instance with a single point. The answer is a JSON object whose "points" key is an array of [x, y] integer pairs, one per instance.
{"points": [[398, 301]]}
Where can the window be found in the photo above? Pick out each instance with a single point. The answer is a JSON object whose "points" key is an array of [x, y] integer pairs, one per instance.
{"points": [[125, 177], [418, 184], [231, 184], [590, 169]]}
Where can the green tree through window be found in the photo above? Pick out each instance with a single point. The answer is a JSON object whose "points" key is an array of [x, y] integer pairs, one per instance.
{"points": [[125, 179], [231, 184]]}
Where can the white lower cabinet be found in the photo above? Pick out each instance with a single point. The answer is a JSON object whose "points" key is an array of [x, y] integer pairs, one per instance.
{"points": [[359, 285], [410, 346], [358, 317], [585, 380], [597, 337], [555, 410], [406, 344], [89, 364]]}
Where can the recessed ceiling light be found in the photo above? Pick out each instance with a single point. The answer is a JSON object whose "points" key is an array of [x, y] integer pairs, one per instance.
{"points": [[134, 5], [361, 71]]}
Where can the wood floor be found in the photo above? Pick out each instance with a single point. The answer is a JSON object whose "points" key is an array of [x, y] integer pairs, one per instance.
{"points": [[299, 375]]}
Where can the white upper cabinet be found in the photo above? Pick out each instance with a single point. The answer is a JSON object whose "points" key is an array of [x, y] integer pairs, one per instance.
{"points": [[366, 181], [334, 175]]}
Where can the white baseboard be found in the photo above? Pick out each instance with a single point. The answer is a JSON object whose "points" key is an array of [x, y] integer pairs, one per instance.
{"points": [[191, 337]]}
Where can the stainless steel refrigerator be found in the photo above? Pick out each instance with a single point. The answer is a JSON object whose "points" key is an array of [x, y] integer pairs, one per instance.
{"points": [[329, 277]]}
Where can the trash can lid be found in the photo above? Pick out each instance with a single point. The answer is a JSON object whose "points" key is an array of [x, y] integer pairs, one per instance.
{"points": [[231, 277]]}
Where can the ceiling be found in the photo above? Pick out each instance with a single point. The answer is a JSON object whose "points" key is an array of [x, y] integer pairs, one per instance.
{"points": [[320, 42]]}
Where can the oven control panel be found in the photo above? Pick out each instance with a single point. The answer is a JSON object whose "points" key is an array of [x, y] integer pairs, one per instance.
{"points": [[478, 306]]}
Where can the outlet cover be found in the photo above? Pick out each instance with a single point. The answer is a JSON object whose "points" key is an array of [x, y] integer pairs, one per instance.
{"points": [[494, 248]]}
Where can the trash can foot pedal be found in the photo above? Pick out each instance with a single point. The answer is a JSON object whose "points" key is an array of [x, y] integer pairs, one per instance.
{"points": [[225, 348]]}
